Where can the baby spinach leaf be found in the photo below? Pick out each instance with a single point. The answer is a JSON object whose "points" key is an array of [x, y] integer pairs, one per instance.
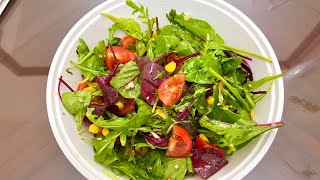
{"points": [[232, 135], [76, 104], [253, 85], [230, 64], [200, 28], [163, 43], [176, 168], [126, 82], [128, 25], [197, 68]]}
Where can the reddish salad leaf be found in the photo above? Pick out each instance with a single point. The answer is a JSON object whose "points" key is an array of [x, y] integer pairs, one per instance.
{"points": [[159, 141], [148, 92], [109, 94]]}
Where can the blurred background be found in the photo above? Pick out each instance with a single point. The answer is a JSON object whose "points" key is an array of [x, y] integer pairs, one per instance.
{"points": [[31, 31]]}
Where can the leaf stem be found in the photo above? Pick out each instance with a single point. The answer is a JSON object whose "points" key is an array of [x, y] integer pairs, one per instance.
{"points": [[233, 90], [226, 47]]}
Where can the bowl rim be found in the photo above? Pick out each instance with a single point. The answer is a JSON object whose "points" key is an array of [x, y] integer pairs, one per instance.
{"points": [[89, 171]]}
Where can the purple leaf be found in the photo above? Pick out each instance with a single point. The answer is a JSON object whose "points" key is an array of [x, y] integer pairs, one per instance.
{"points": [[246, 66], [184, 114], [148, 92], [109, 94], [207, 161], [150, 71], [98, 109], [159, 141]]}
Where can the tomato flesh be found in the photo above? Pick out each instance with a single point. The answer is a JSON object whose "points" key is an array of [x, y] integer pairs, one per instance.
{"points": [[202, 144], [180, 143], [123, 56], [129, 105], [128, 42], [171, 89], [81, 86]]}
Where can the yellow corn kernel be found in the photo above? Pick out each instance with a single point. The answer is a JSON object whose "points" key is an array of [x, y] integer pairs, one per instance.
{"points": [[105, 131], [91, 89], [171, 67], [252, 114], [203, 137], [120, 105], [161, 113], [95, 129], [154, 34], [221, 83], [210, 100]]}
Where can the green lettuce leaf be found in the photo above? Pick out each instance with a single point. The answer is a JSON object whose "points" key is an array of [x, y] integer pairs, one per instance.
{"points": [[230, 136], [128, 25], [76, 104], [126, 82]]}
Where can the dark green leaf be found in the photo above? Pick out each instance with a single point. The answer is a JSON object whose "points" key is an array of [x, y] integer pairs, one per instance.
{"points": [[197, 68]]}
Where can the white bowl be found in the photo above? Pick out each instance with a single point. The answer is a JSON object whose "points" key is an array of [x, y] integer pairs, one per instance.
{"points": [[234, 27]]}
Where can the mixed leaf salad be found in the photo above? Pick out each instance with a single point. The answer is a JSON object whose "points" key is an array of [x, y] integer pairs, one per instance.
{"points": [[167, 102]]}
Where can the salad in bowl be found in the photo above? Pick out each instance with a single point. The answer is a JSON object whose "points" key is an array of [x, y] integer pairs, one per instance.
{"points": [[164, 101]]}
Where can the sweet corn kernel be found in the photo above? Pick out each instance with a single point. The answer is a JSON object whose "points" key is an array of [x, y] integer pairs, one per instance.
{"points": [[171, 67], [120, 105], [91, 89], [221, 83], [161, 113], [105, 131], [95, 129], [203, 137], [252, 114], [210, 100], [154, 34]]}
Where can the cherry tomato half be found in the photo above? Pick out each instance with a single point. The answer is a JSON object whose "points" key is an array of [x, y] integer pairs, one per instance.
{"points": [[129, 105], [202, 144], [128, 42], [180, 143], [171, 89], [81, 86], [123, 56]]}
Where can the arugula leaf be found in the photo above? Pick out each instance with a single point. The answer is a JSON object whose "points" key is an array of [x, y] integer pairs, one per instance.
{"points": [[113, 41], [128, 25], [126, 82], [196, 69], [198, 92], [232, 135], [144, 14], [124, 124], [253, 85], [76, 104], [91, 63], [104, 147]]}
